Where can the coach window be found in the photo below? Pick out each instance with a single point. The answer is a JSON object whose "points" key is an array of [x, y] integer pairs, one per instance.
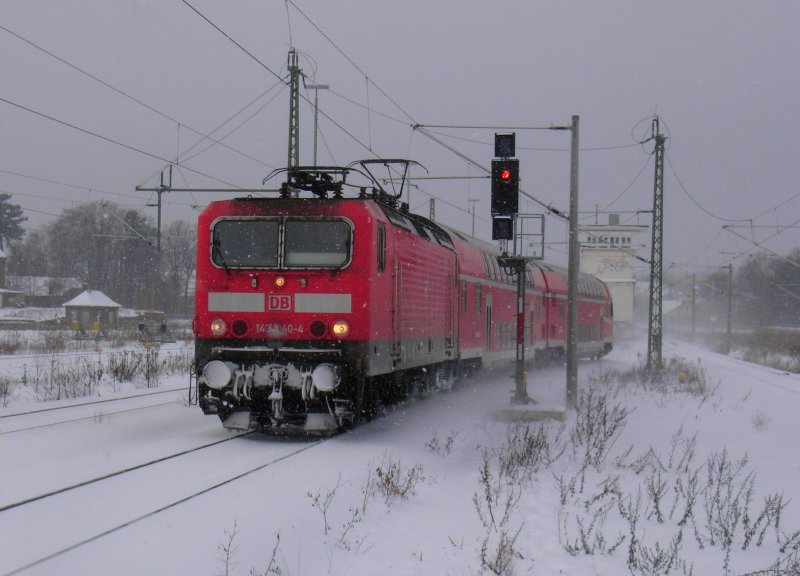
{"points": [[316, 243], [245, 243], [381, 247]]}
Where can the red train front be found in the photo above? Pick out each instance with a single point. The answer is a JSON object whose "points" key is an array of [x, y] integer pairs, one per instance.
{"points": [[311, 312]]}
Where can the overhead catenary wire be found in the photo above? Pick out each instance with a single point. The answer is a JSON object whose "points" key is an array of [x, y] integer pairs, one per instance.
{"points": [[696, 203], [128, 96], [486, 170], [230, 38], [110, 140], [186, 157], [303, 96], [88, 189], [629, 186], [530, 148], [346, 57], [415, 125], [364, 107]]}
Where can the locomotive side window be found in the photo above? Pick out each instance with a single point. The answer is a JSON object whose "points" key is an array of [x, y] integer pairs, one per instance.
{"points": [[442, 239], [245, 243], [381, 247], [316, 243]]}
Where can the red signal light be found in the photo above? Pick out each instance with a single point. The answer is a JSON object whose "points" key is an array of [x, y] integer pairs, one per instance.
{"points": [[505, 186]]}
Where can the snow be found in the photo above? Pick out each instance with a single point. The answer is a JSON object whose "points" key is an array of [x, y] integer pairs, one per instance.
{"points": [[32, 314], [748, 410], [93, 298]]}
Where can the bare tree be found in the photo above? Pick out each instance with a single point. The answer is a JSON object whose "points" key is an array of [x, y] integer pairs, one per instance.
{"points": [[178, 254]]}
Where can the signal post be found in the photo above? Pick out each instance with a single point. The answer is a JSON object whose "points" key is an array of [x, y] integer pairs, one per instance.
{"points": [[505, 209]]}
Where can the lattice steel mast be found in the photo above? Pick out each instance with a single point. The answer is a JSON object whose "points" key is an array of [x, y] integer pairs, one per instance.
{"points": [[294, 110], [655, 319]]}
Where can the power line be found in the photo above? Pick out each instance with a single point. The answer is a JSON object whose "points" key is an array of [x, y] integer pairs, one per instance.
{"points": [[128, 96], [460, 154], [628, 187], [401, 109], [696, 203], [762, 247], [60, 183], [107, 139], [765, 212], [533, 148], [332, 43], [234, 42], [360, 105], [321, 111], [185, 157]]}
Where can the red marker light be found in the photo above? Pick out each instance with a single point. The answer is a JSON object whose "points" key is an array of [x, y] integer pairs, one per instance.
{"points": [[505, 175]]}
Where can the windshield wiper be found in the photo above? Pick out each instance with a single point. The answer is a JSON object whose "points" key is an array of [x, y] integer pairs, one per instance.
{"points": [[215, 249]]}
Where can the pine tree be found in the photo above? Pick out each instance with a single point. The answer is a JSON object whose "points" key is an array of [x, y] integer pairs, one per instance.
{"points": [[11, 219]]}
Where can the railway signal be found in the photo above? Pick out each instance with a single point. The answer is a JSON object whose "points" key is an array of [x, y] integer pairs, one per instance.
{"points": [[505, 187]]}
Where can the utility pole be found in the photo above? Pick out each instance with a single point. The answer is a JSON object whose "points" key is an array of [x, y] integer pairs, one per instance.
{"points": [[294, 110], [655, 320], [316, 88], [472, 202], [160, 191], [729, 325], [433, 209], [572, 273], [694, 316]]}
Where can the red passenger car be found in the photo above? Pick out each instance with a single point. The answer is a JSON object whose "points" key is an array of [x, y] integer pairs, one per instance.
{"points": [[312, 312]]}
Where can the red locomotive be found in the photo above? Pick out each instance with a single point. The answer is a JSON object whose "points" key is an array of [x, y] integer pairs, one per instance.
{"points": [[312, 312]]}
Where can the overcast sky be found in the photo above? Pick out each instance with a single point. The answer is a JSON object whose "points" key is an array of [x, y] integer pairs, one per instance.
{"points": [[722, 76]]}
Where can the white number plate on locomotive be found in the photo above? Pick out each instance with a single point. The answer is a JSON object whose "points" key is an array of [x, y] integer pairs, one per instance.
{"points": [[274, 330]]}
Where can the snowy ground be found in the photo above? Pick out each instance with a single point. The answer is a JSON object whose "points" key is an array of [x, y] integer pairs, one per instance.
{"points": [[320, 509]]}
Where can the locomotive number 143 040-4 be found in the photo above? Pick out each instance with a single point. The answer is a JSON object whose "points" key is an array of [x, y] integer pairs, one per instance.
{"points": [[274, 330]]}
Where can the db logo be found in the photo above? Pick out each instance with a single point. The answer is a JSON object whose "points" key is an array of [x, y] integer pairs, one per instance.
{"points": [[281, 303]]}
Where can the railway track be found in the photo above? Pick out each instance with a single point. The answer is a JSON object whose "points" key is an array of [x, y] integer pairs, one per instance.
{"points": [[115, 473], [52, 416], [83, 418], [744, 369], [21, 507], [90, 402]]}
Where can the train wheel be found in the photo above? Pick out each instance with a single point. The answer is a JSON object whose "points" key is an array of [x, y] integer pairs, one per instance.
{"points": [[445, 378], [371, 405]]}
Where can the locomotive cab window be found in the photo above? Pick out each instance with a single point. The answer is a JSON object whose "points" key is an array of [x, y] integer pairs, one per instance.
{"points": [[316, 243], [272, 243], [245, 243]]}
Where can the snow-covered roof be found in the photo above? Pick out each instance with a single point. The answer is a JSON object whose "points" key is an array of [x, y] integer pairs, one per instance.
{"points": [[93, 298]]}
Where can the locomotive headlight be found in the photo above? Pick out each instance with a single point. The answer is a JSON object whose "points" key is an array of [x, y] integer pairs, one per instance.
{"points": [[280, 282], [340, 328], [217, 374], [218, 327]]}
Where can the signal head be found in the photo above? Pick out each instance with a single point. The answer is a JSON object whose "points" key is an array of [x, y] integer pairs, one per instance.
{"points": [[505, 187]]}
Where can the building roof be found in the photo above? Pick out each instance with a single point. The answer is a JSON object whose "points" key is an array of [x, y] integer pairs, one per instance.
{"points": [[93, 299]]}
